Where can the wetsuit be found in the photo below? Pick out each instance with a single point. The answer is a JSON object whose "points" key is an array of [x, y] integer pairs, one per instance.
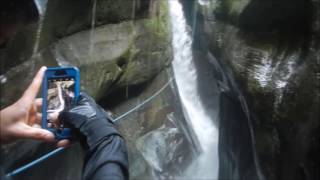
{"points": [[106, 156]]}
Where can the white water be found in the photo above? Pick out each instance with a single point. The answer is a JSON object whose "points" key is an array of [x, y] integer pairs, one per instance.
{"points": [[41, 6], [93, 22], [206, 166]]}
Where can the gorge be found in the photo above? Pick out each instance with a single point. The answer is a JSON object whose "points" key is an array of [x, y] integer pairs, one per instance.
{"points": [[239, 83]]}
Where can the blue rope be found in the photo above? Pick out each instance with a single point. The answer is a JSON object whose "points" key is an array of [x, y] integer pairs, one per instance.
{"points": [[144, 102], [33, 163], [58, 150]]}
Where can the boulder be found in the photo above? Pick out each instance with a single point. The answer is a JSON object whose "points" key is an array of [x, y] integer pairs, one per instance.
{"points": [[156, 134], [109, 57], [120, 55], [34, 28], [271, 49]]}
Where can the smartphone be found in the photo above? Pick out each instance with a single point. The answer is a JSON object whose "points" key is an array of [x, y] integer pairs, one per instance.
{"points": [[60, 91]]}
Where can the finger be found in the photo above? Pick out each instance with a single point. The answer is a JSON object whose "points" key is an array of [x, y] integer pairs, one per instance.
{"points": [[64, 143], [36, 126], [33, 89], [38, 119], [38, 103], [25, 131], [31, 117]]}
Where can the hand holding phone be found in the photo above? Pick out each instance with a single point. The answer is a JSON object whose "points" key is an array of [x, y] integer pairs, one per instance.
{"points": [[90, 120], [20, 120], [60, 91]]}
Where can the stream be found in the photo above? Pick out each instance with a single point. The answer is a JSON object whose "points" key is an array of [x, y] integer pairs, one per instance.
{"points": [[187, 76]]}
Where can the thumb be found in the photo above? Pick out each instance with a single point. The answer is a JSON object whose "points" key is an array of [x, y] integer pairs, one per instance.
{"points": [[36, 133]]}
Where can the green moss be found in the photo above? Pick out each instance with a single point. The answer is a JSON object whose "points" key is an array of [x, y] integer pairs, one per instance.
{"points": [[147, 47], [148, 50], [127, 55], [127, 64], [159, 25], [237, 7]]}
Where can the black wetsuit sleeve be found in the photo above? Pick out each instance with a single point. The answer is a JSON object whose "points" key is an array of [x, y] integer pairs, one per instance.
{"points": [[2, 174], [106, 157], [107, 161]]}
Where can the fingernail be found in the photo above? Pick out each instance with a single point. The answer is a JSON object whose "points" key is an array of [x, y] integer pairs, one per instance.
{"points": [[43, 68]]}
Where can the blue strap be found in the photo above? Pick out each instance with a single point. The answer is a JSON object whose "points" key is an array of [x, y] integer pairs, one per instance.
{"points": [[144, 102], [33, 163], [58, 150]]}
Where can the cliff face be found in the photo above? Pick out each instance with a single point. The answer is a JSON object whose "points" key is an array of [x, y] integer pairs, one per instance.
{"points": [[110, 48], [272, 51], [266, 65], [123, 51]]}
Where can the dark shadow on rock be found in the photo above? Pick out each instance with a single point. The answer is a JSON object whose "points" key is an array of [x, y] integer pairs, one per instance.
{"points": [[284, 22], [120, 95], [15, 15], [188, 10], [235, 145]]}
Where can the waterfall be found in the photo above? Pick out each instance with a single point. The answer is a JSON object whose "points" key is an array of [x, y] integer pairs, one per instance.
{"points": [[41, 7], [185, 72], [93, 22]]}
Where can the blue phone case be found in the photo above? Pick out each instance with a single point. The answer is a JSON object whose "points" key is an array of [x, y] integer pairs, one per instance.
{"points": [[51, 73]]}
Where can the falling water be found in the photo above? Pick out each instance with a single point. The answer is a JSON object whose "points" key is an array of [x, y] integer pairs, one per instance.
{"points": [[93, 21], [206, 165], [3, 79], [41, 6]]}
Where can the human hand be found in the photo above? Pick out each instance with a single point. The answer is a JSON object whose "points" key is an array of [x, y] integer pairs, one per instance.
{"points": [[90, 120], [23, 118]]}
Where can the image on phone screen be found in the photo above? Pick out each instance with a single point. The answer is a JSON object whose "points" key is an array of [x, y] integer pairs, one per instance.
{"points": [[60, 97]]}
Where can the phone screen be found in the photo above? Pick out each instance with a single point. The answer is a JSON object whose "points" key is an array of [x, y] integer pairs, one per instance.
{"points": [[60, 97]]}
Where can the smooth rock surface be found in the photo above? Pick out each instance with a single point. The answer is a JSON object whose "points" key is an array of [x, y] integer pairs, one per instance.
{"points": [[271, 49], [122, 53]]}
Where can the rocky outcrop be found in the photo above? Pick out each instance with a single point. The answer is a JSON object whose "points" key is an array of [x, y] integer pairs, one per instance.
{"points": [[156, 134], [271, 48], [31, 29], [123, 56], [115, 56]]}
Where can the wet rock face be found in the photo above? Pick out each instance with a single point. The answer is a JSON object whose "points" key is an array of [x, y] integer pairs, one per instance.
{"points": [[109, 56], [256, 16], [15, 15], [165, 150], [272, 49], [22, 22], [116, 56], [156, 134], [124, 53]]}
